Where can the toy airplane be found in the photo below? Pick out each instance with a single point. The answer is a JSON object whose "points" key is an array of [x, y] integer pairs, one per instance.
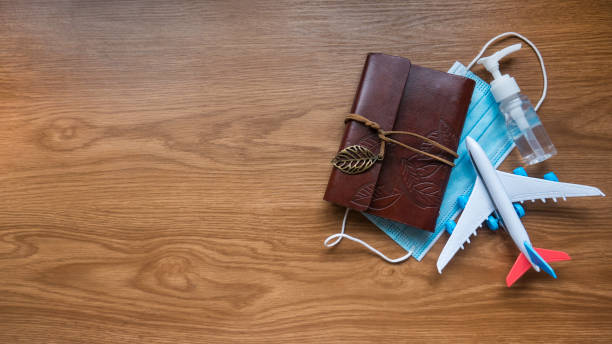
{"points": [[494, 191]]}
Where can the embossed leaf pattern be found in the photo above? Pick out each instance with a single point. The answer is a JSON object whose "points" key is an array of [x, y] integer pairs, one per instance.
{"points": [[428, 147], [428, 194], [362, 197], [354, 159], [412, 168], [428, 171], [370, 141], [409, 172], [382, 198], [419, 166], [419, 172], [444, 136], [447, 134]]}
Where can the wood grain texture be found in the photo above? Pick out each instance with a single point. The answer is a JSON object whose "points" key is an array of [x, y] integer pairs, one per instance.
{"points": [[163, 165]]}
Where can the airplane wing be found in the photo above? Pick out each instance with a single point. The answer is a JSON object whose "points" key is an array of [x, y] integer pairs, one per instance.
{"points": [[520, 188], [479, 206]]}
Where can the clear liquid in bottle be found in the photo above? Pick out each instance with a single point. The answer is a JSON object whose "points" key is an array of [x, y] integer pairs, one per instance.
{"points": [[526, 129]]}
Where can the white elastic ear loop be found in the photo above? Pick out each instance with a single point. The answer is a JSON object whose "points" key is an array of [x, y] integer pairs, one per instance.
{"points": [[505, 34], [339, 236]]}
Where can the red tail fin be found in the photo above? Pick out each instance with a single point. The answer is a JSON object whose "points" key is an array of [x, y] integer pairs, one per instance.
{"points": [[522, 264], [518, 269]]}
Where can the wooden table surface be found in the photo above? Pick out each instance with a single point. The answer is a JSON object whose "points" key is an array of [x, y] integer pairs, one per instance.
{"points": [[163, 165]]}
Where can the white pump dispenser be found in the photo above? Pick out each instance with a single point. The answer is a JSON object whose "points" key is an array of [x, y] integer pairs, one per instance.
{"points": [[502, 86], [523, 123]]}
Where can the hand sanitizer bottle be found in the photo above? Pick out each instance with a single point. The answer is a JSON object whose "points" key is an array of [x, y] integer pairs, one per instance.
{"points": [[523, 123]]}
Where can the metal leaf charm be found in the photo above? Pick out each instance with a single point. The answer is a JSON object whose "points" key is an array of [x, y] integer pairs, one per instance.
{"points": [[354, 159]]}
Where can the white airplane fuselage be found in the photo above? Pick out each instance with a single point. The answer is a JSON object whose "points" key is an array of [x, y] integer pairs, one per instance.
{"points": [[500, 198]]}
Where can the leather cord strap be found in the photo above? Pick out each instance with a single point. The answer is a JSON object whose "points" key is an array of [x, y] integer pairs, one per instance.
{"points": [[382, 134]]}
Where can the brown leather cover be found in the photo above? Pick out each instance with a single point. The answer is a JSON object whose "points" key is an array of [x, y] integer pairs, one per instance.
{"points": [[406, 187]]}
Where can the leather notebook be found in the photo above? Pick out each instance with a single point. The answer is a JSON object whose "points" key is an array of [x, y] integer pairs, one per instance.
{"points": [[404, 186]]}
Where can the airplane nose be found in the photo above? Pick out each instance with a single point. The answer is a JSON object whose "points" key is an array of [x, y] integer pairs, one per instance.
{"points": [[470, 142]]}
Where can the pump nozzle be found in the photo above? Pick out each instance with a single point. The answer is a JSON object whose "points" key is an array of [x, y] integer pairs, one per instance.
{"points": [[502, 86], [491, 63]]}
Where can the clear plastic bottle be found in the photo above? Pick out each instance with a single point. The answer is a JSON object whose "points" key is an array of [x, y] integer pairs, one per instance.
{"points": [[523, 123], [525, 128]]}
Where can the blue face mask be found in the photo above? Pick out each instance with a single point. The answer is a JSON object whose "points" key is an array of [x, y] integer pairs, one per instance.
{"points": [[484, 122]]}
